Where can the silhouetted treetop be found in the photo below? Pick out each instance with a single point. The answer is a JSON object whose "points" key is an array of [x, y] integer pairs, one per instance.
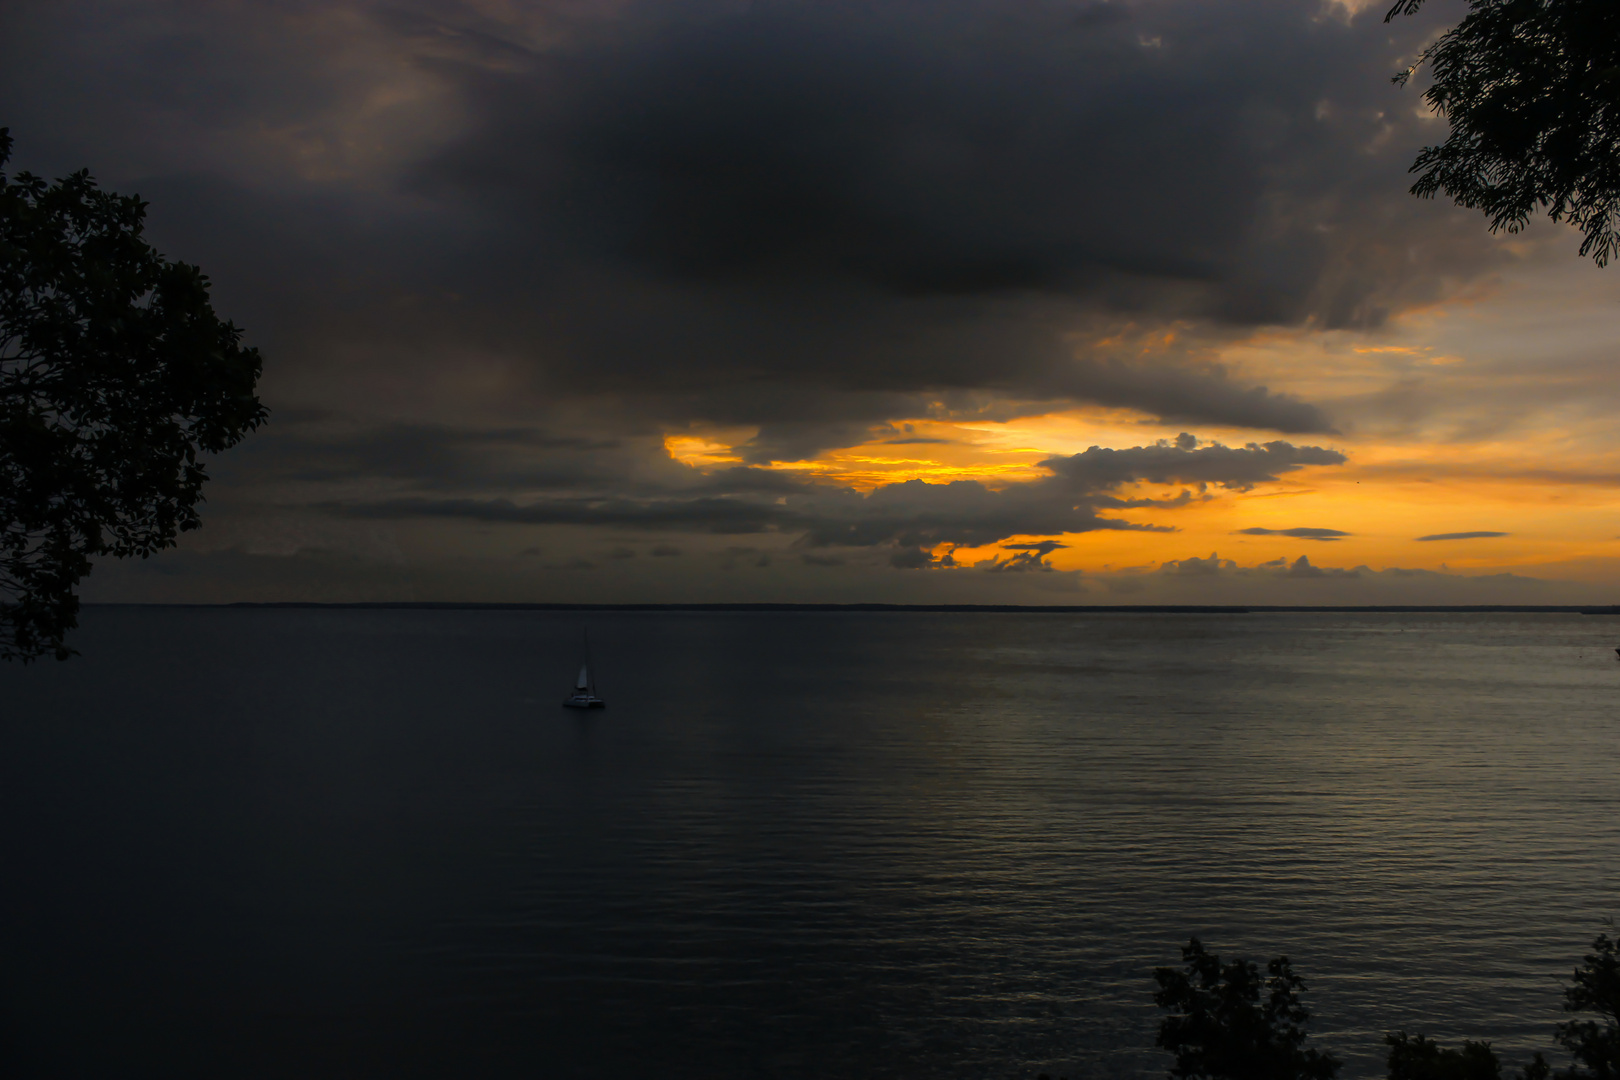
{"points": [[115, 375], [1594, 1045], [1531, 89], [1420, 1058], [1228, 1022]]}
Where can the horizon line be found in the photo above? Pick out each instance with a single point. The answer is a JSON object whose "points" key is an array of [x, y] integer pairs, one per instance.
{"points": [[1049, 609]]}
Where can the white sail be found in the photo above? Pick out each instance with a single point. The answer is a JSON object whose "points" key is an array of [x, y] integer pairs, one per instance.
{"points": [[584, 695]]}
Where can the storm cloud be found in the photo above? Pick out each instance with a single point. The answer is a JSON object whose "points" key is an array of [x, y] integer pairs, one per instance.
{"points": [[812, 217]]}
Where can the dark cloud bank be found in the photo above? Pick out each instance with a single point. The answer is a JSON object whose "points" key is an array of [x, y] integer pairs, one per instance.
{"points": [[588, 224], [804, 215]]}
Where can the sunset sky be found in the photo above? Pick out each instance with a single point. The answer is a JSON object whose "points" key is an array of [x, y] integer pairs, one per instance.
{"points": [[978, 301]]}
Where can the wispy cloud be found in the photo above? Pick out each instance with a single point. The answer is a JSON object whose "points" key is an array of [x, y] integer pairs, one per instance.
{"points": [[1297, 534]]}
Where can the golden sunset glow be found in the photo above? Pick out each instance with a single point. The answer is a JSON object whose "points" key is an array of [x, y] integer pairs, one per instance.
{"points": [[699, 451], [1546, 477], [1388, 494], [867, 467]]}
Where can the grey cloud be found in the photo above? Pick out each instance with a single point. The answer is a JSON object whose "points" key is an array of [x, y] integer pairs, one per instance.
{"points": [[1300, 569], [957, 149], [1239, 468], [1029, 557], [1326, 535], [915, 514], [1186, 396], [320, 448], [718, 515], [1193, 566], [742, 479], [917, 559], [1173, 502], [753, 555], [1462, 536], [798, 441]]}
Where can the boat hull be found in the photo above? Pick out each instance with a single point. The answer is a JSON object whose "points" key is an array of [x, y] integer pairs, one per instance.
{"points": [[584, 703]]}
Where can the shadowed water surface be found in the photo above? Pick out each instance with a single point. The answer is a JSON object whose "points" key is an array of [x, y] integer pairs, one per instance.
{"points": [[361, 843]]}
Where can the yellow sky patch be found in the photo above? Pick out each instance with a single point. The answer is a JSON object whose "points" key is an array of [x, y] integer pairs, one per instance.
{"points": [[701, 451]]}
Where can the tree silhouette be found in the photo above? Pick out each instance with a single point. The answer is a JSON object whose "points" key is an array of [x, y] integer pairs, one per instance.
{"points": [[115, 375], [1229, 1023], [1593, 1045], [1532, 92], [1419, 1058]]}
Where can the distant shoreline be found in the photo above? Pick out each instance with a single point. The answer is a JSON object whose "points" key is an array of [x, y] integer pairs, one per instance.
{"points": [[986, 609]]}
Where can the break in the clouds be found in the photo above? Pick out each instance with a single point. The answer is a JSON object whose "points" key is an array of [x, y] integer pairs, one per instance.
{"points": [[1462, 536]]}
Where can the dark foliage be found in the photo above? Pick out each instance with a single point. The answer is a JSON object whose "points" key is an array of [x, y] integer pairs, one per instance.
{"points": [[1594, 1045], [115, 374], [1419, 1058], [1229, 1023], [1532, 91]]}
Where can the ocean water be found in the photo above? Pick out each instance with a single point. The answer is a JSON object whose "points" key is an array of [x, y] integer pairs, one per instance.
{"points": [[362, 843]]}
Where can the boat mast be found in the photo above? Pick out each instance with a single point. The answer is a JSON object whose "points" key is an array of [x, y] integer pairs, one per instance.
{"points": [[590, 676]]}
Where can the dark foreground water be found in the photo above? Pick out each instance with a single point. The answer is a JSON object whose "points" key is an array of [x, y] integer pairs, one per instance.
{"points": [[304, 843]]}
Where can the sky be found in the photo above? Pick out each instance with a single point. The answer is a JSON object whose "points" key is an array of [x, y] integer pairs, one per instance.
{"points": [[960, 301]]}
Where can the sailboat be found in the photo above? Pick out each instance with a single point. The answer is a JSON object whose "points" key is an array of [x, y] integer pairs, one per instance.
{"points": [[584, 695]]}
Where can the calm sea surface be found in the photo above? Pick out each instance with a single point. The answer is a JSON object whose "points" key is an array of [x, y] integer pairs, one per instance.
{"points": [[319, 843]]}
